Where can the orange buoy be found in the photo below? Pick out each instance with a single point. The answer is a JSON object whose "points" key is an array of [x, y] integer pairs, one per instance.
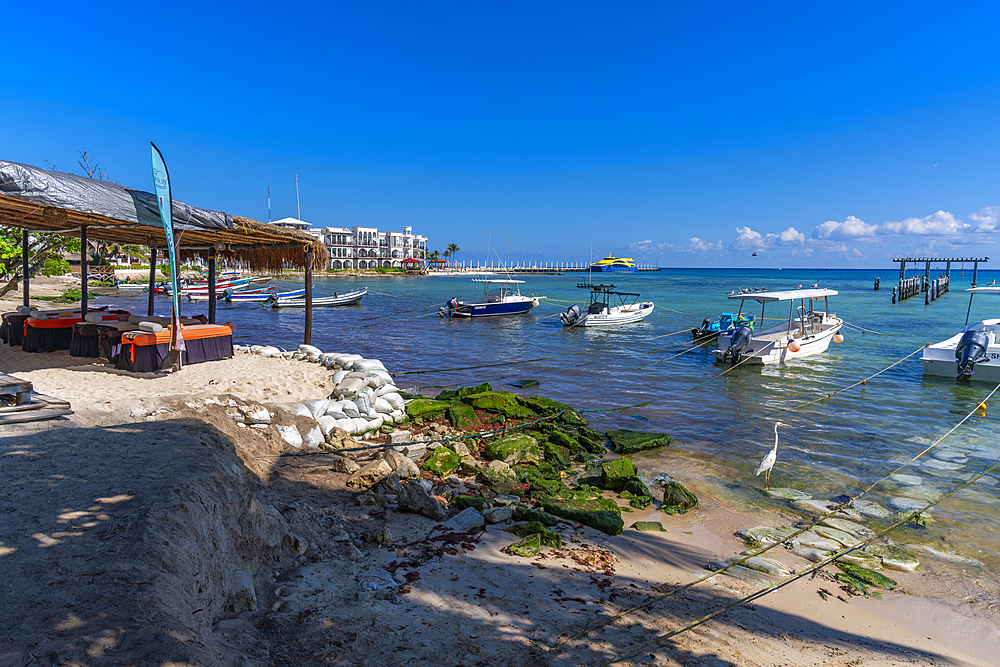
{"points": [[793, 345], [838, 337]]}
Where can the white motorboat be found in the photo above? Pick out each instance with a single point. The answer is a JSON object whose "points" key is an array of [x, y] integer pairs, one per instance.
{"points": [[607, 308], [974, 351], [806, 332], [344, 299]]}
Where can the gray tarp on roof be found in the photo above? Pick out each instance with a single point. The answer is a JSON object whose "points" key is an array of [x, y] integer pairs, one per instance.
{"points": [[89, 195]]}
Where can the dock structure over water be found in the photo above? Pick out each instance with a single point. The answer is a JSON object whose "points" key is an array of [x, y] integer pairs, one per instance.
{"points": [[932, 289]]}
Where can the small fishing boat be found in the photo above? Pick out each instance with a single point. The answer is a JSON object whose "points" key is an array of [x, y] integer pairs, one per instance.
{"points": [[972, 351], [806, 332], [614, 264], [607, 308], [343, 299], [132, 287], [710, 330], [258, 296], [500, 297]]}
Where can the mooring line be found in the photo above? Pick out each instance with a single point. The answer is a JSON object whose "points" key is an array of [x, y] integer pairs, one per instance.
{"points": [[793, 535], [808, 571], [705, 341], [855, 326]]}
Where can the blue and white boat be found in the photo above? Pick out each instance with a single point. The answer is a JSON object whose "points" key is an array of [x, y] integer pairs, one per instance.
{"points": [[710, 330], [500, 297]]}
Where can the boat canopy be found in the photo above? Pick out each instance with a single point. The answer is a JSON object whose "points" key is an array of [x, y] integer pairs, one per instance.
{"points": [[497, 282], [787, 295], [984, 290]]}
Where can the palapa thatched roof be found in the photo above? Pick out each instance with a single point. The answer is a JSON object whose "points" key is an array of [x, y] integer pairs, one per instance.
{"points": [[28, 204]]}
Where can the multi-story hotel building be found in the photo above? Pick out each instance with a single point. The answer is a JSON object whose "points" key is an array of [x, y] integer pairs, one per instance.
{"points": [[363, 247]]}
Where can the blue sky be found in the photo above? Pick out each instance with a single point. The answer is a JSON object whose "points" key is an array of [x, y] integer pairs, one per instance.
{"points": [[692, 134]]}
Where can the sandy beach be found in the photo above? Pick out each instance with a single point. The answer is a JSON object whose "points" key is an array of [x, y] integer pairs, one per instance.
{"points": [[150, 528]]}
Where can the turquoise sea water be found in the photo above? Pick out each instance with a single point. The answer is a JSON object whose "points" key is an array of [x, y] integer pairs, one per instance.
{"points": [[838, 445]]}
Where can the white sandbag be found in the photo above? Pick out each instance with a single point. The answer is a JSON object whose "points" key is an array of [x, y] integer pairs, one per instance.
{"points": [[382, 406], [350, 388], [327, 423], [368, 365], [361, 425], [376, 422], [339, 376], [345, 424], [313, 358], [386, 389], [375, 381], [395, 400], [336, 414], [345, 360], [298, 356], [150, 326], [254, 349], [398, 416], [351, 411], [269, 351], [291, 435], [310, 349], [385, 376], [317, 407], [299, 410], [313, 438], [364, 405], [286, 355]]}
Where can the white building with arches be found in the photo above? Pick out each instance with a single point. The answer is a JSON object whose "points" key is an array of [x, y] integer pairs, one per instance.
{"points": [[364, 247]]}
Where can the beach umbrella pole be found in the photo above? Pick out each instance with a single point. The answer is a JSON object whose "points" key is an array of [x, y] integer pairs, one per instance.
{"points": [[152, 279], [211, 286], [83, 270], [24, 266], [309, 298]]}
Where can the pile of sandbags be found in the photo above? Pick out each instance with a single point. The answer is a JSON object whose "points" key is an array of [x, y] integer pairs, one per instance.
{"points": [[364, 396]]}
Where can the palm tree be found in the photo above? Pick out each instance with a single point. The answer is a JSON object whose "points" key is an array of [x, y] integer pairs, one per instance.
{"points": [[452, 250]]}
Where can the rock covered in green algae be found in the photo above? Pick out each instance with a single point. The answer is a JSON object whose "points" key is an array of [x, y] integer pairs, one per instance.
{"points": [[635, 491], [543, 406], [850, 527], [615, 473], [556, 455], [471, 501], [501, 477], [786, 494], [528, 514], [870, 577], [502, 402], [814, 555], [895, 558], [550, 538], [567, 442], [462, 392], [649, 526], [599, 513], [529, 547], [764, 534], [462, 416], [677, 499], [442, 462], [514, 448], [861, 559], [844, 538], [626, 441], [591, 440], [426, 407], [770, 566]]}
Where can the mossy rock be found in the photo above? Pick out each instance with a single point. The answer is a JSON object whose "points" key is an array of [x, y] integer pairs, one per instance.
{"points": [[614, 473], [635, 491], [870, 577], [462, 392], [677, 499], [540, 483], [528, 547], [571, 444], [595, 513], [426, 407], [462, 416], [627, 441], [591, 440], [501, 477], [556, 455], [479, 504], [543, 406], [649, 526], [514, 448], [549, 538], [500, 402], [442, 462], [528, 514]]}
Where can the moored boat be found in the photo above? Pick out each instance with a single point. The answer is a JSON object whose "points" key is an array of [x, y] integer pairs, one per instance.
{"points": [[344, 299], [804, 333], [607, 308], [614, 264], [500, 297], [971, 354], [710, 330]]}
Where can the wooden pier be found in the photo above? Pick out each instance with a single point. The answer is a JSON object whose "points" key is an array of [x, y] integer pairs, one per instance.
{"points": [[931, 289]]}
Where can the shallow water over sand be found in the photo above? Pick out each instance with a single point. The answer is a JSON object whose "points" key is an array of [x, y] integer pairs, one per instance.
{"points": [[838, 445]]}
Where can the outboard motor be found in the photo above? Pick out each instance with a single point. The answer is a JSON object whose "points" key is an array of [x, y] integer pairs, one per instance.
{"points": [[445, 311], [738, 344], [971, 349], [571, 316], [704, 329], [227, 293]]}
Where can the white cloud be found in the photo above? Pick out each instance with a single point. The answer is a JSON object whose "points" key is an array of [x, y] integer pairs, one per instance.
{"points": [[986, 218], [649, 246], [941, 223], [850, 228], [748, 239], [696, 244]]}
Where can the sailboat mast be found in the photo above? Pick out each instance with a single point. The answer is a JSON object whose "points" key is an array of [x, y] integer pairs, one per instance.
{"points": [[298, 212]]}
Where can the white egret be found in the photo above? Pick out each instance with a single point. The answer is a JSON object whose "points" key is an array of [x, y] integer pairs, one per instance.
{"points": [[768, 461]]}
